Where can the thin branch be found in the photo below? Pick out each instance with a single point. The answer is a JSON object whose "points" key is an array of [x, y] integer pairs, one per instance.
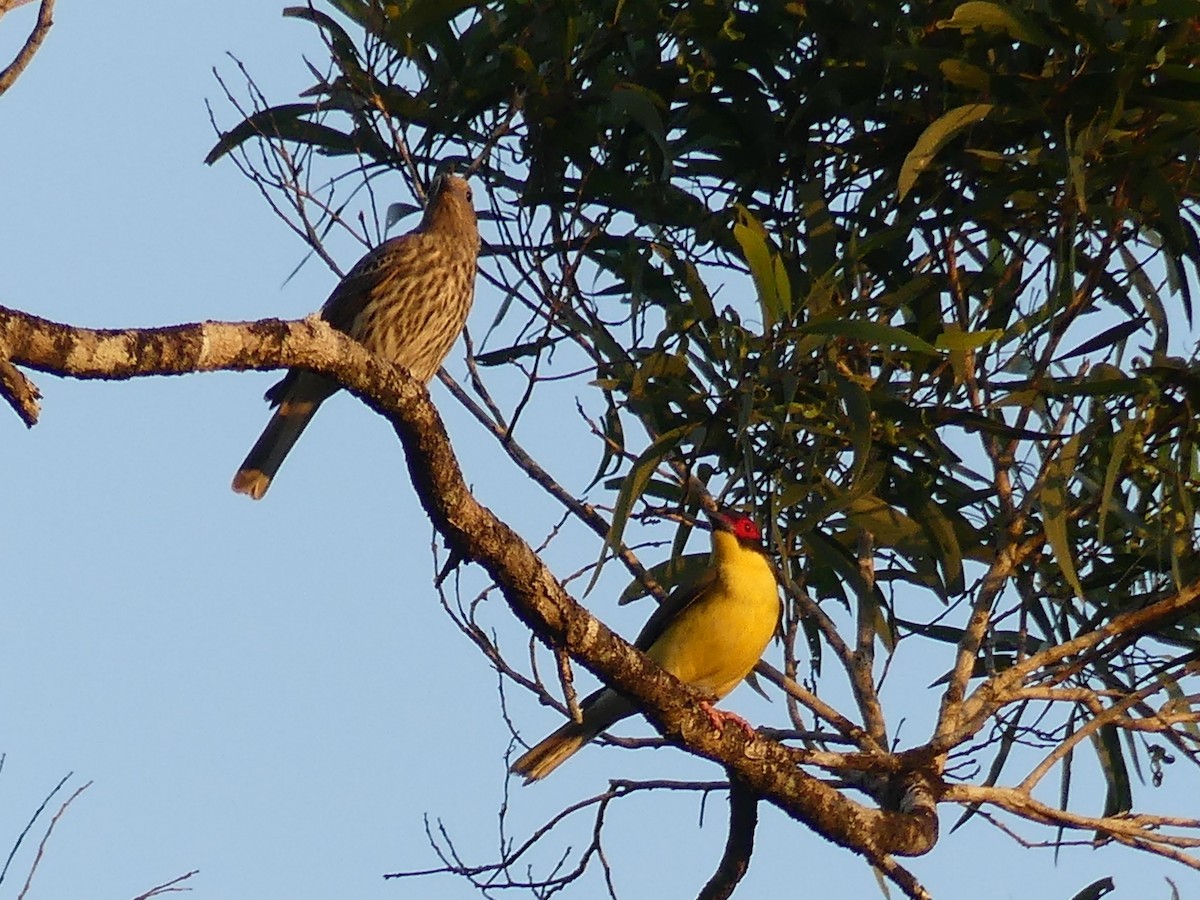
{"points": [[743, 819], [29, 825], [584, 512], [46, 837], [1136, 830], [862, 669], [168, 887]]}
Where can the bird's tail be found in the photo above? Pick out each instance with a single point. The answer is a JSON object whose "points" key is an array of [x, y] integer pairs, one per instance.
{"points": [[297, 404], [542, 759], [601, 710]]}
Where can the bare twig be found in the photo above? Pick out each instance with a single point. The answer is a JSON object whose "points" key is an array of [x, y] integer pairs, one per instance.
{"points": [[46, 837], [168, 887], [743, 819]]}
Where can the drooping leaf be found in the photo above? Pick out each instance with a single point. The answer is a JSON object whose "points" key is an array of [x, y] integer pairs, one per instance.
{"points": [[1054, 500], [937, 526], [1097, 889], [1007, 741], [339, 41], [632, 487], [672, 572], [285, 123], [1107, 338], [1118, 796], [766, 267], [1116, 461], [638, 104], [936, 136], [858, 417]]}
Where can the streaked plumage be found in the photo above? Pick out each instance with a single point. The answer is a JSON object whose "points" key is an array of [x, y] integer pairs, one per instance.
{"points": [[407, 301], [709, 634]]}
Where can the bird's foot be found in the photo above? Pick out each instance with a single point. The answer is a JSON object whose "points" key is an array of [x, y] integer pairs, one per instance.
{"points": [[719, 717]]}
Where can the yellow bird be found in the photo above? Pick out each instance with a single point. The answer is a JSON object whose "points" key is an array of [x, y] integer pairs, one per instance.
{"points": [[709, 634]]}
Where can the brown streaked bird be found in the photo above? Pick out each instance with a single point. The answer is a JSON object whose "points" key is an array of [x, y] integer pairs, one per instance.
{"points": [[407, 301], [709, 633]]}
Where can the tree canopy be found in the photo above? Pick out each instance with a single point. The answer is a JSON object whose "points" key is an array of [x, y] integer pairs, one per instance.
{"points": [[902, 277]]}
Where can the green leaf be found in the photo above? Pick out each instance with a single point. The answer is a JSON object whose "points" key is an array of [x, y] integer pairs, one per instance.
{"points": [[826, 551], [935, 137], [964, 74], [766, 267], [940, 530], [339, 41], [872, 332], [1096, 889], [995, 17], [1120, 447], [889, 526], [1107, 338], [821, 236], [670, 573], [1119, 796], [416, 16], [515, 352], [698, 292], [285, 123], [1007, 740], [858, 419], [636, 103], [1054, 501], [632, 487], [967, 340]]}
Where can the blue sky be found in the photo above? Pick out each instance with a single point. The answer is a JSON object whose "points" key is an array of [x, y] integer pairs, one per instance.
{"points": [[270, 693]]}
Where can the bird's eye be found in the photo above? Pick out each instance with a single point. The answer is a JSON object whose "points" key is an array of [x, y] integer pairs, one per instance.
{"points": [[470, 195]]}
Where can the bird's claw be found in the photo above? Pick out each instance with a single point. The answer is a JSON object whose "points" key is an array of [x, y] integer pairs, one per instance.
{"points": [[718, 718]]}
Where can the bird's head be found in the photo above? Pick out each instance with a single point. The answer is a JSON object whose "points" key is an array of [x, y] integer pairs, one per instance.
{"points": [[738, 524], [450, 209]]}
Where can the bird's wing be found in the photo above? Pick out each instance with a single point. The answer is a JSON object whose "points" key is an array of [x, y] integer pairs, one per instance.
{"points": [[678, 600], [356, 289]]}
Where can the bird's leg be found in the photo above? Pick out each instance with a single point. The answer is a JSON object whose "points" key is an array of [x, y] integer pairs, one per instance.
{"points": [[719, 717]]}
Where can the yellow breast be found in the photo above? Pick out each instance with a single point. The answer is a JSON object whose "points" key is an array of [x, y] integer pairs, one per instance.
{"points": [[717, 639]]}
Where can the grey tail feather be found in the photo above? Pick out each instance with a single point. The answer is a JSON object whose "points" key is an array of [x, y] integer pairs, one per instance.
{"points": [[268, 453], [601, 710], [552, 751]]}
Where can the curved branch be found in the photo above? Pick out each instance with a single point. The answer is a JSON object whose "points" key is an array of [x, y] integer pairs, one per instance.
{"points": [[25, 55]]}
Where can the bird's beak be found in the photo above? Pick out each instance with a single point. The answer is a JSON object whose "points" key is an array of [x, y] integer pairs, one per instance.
{"points": [[719, 519]]}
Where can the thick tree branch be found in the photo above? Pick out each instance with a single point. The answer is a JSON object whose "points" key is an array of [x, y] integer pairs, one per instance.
{"points": [[532, 591]]}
